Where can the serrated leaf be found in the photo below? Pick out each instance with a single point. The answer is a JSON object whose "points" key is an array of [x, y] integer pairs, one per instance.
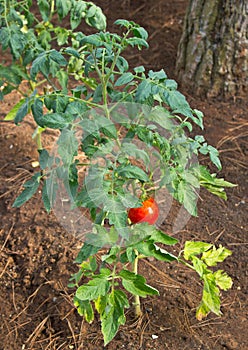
{"points": [[125, 78], [211, 294], [177, 102], [12, 113], [132, 150], [136, 284], [202, 311], [73, 52], [67, 146], [213, 256], [93, 289], [195, 248], [44, 8], [132, 172], [222, 280], [55, 120], [48, 62], [143, 91], [187, 196], [199, 118], [84, 309], [118, 219], [44, 158], [22, 111], [199, 266], [162, 117], [214, 156], [86, 251], [113, 315], [137, 42], [139, 69], [93, 39], [30, 188], [149, 249], [160, 237], [77, 12], [101, 303], [95, 17], [140, 32], [63, 7]]}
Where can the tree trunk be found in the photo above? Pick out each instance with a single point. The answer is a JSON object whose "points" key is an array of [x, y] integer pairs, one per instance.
{"points": [[213, 51]]}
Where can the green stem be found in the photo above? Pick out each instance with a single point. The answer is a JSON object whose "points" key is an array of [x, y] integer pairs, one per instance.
{"points": [[52, 10], [39, 142], [137, 307]]}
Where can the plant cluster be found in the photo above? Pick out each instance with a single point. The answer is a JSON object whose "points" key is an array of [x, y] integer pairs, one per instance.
{"points": [[71, 81]]}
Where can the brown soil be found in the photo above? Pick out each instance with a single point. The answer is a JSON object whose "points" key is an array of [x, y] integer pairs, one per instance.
{"points": [[36, 253]]}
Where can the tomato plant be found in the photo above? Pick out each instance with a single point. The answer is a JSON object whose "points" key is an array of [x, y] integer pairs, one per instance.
{"points": [[132, 130]]}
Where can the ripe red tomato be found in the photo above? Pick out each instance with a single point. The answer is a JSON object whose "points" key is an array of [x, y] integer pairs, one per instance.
{"points": [[148, 212]]}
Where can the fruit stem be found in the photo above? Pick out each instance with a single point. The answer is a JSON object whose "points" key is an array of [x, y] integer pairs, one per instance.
{"points": [[137, 309]]}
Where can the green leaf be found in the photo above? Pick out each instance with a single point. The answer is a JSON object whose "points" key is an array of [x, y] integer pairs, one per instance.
{"points": [[202, 311], [130, 149], [143, 91], [84, 309], [63, 7], [62, 77], [48, 62], [45, 159], [77, 12], [95, 17], [12, 113], [93, 289], [211, 294], [125, 78], [45, 198], [195, 248], [30, 188], [187, 195], [86, 251], [57, 57], [139, 69], [113, 314], [136, 284], [213, 256], [93, 39], [73, 52], [44, 8], [140, 32], [214, 156], [132, 172], [137, 42], [222, 280], [159, 236], [162, 117], [67, 146], [212, 183], [150, 249], [123, 23], [199, 266], [23, 110], [118, 219], [199, 118], [55, 120], [177, 102]]}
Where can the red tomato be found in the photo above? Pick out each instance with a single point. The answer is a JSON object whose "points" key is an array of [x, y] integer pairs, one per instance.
{"points": [[148, 212]]}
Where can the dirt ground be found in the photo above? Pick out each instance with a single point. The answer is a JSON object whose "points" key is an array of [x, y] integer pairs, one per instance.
{"points": [[36, 253]]}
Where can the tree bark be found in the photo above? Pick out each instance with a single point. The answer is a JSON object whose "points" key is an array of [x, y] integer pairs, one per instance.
{"points": [[213, 51]]}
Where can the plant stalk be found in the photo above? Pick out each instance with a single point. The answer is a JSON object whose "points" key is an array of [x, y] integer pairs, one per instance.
{"points": [[137, 308]]}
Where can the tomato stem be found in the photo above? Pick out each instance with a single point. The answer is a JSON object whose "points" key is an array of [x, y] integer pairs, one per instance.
{"points": [[137, 307]]}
